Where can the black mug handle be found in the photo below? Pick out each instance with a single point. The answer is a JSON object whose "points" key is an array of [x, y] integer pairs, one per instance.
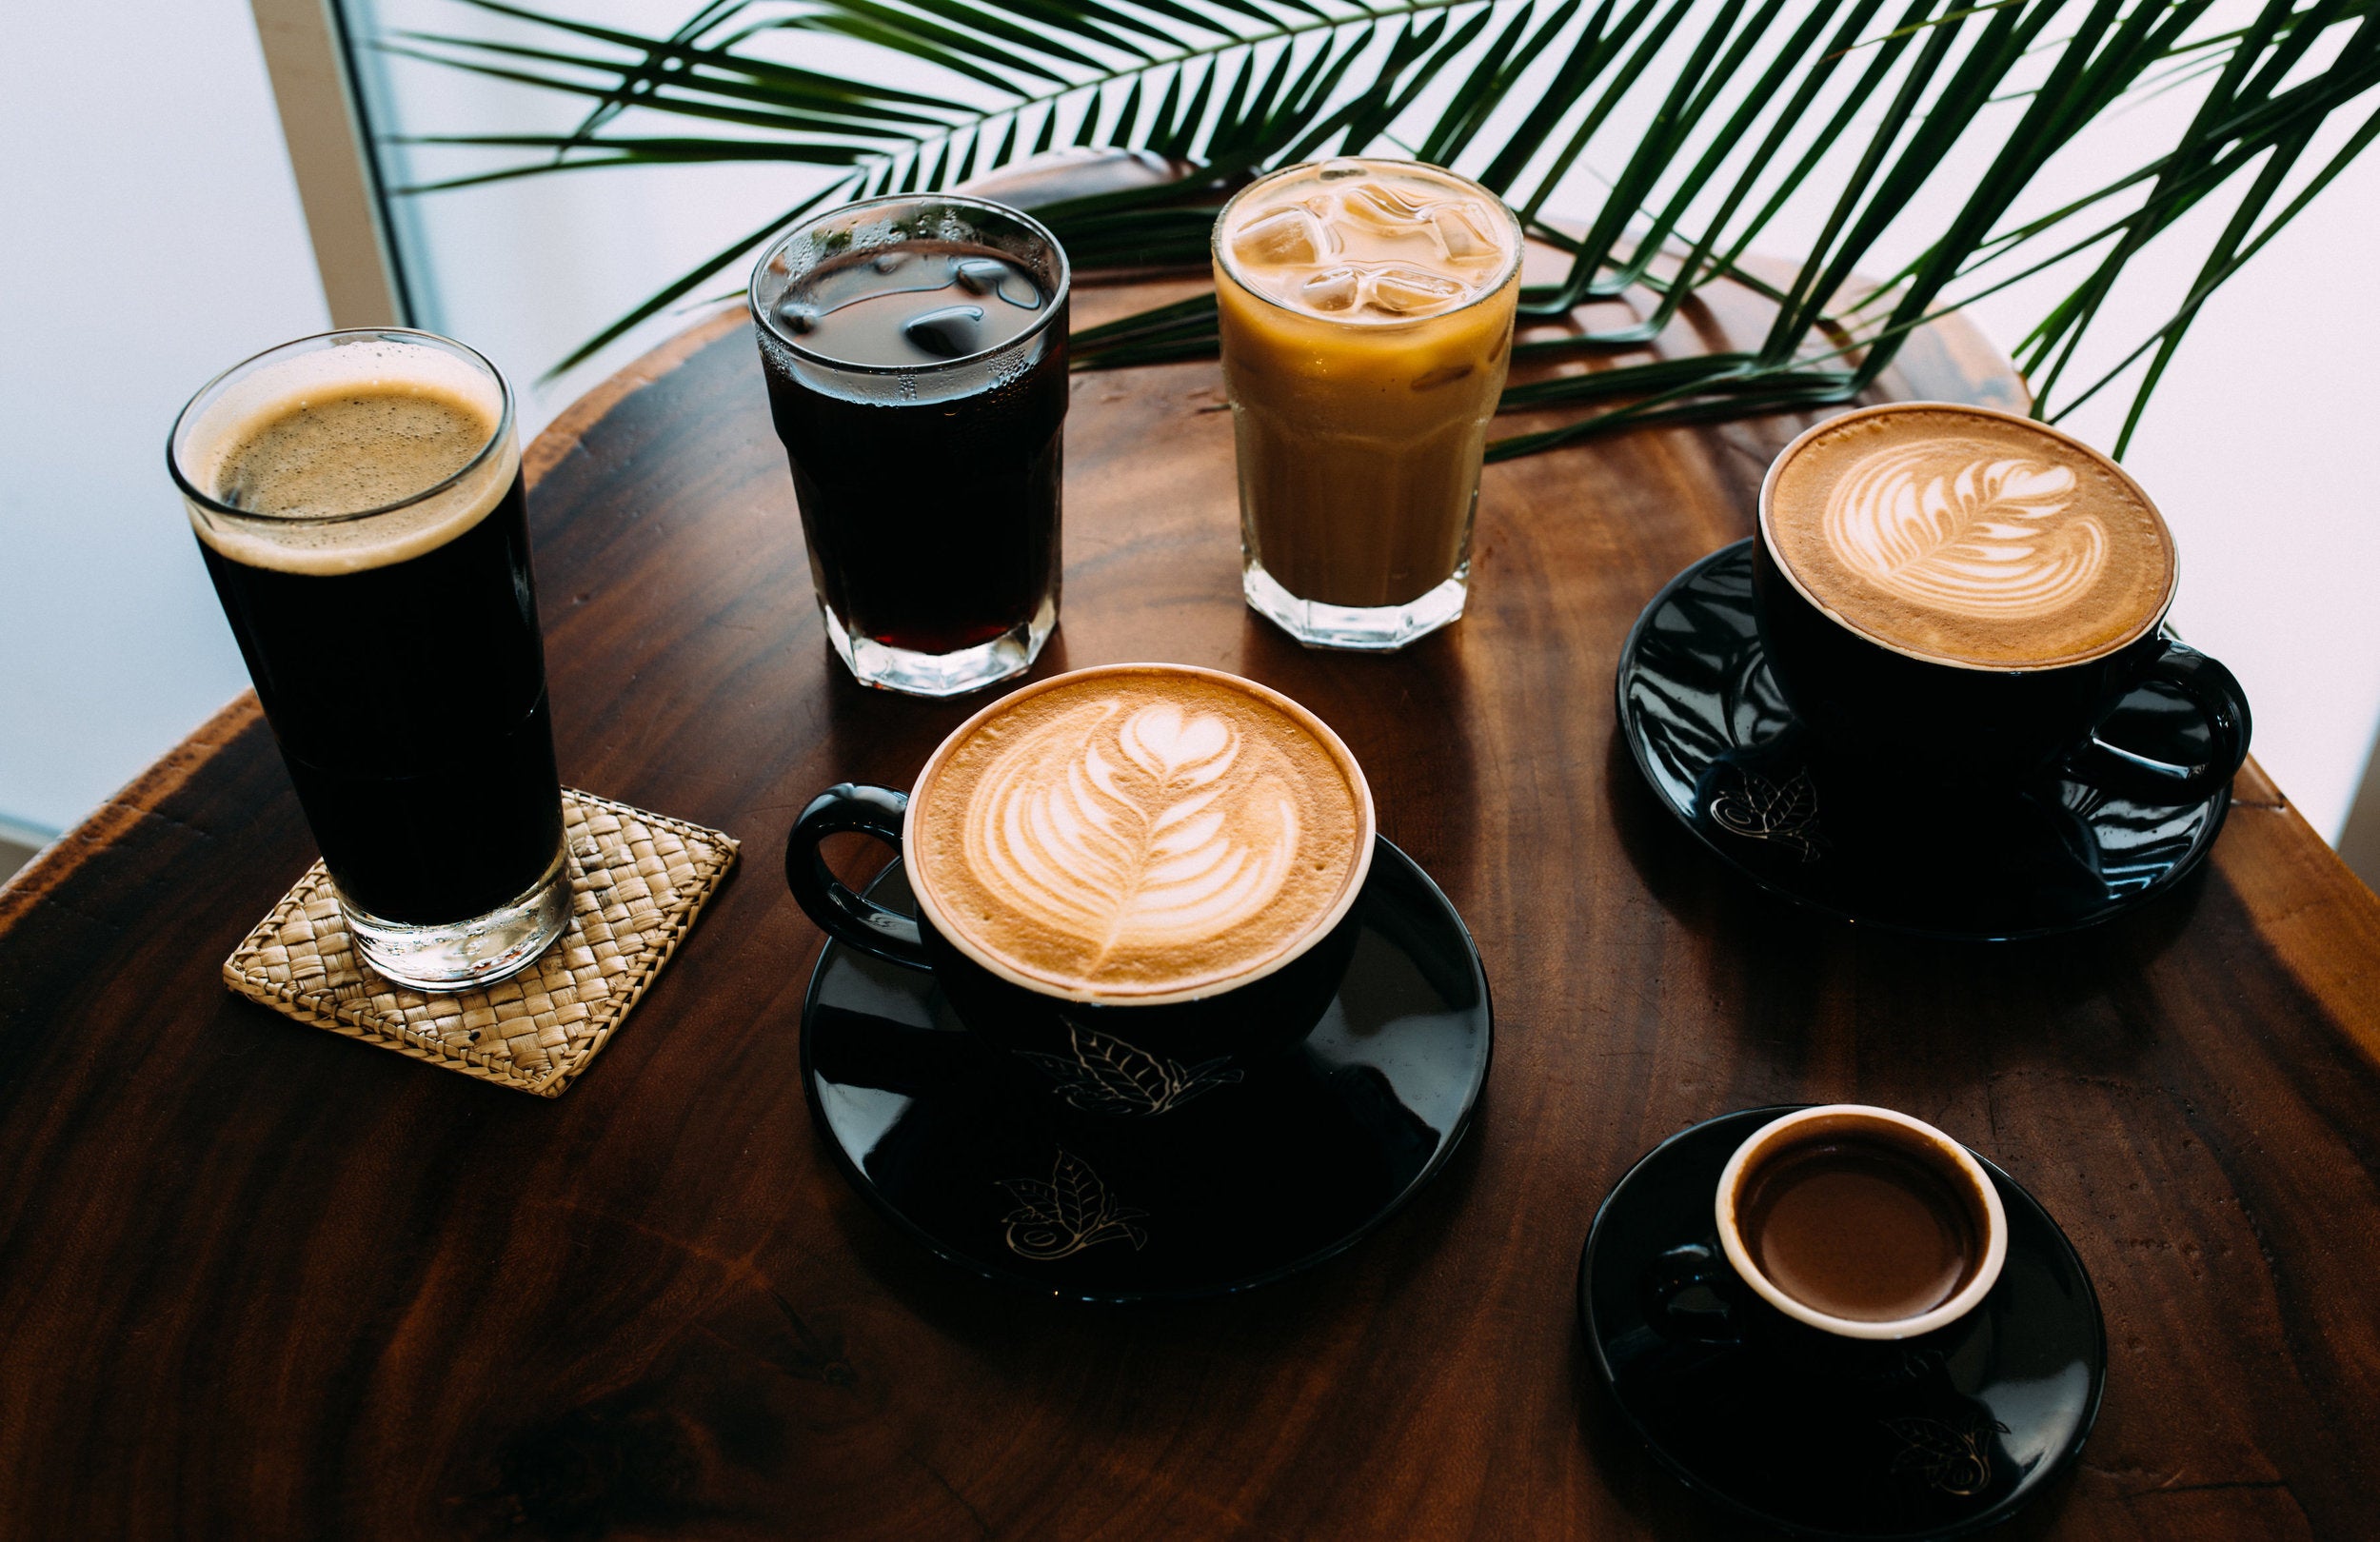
{"points": [[2210, 687], [1691, 1295], [850, 919]]}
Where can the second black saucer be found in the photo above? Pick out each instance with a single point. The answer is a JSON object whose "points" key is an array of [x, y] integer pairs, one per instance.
{"points": [[1936, 1437], [1210, 1182], [1724, 753]]}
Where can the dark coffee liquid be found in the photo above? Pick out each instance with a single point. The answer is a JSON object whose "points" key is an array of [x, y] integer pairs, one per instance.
{"points": [[1858, 1229], [409, 702], [932, 525]]}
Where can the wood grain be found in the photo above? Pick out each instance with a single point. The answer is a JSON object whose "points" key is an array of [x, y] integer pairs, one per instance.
{"points": [[259, 1282]]}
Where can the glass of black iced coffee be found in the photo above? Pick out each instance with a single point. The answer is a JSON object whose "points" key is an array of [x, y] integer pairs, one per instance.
{"points": [[915, 349]]}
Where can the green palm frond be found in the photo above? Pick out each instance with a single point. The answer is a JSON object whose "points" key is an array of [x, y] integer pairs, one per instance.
{"points": [[1849, 108]]}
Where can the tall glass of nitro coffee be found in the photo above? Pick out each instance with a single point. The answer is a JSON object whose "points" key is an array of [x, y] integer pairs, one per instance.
{"points": [[1367, 321], [357, 499], [915, 349]]}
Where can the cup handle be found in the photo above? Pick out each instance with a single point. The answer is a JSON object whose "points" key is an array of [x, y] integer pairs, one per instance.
{"points": [[1691, 1295], [2211, 689], [850, 919]]}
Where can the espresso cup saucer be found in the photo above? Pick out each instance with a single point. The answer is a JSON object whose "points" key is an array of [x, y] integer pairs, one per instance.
{"points": [[1725, 754], [1129, 1177], [1938, 1436]]}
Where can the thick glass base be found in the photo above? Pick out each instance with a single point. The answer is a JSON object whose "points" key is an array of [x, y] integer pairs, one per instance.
{"points": [[941, 674], [466, 955], [1363, 628]]}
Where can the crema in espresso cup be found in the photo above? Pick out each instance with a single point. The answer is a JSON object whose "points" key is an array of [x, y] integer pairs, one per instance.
{"points": [[1834, 1227], [1861, 1222], [1140, 865], [1965, 594]]}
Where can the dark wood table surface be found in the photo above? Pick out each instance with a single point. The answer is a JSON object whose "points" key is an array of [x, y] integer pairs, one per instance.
{"points": [[260, 1281]]}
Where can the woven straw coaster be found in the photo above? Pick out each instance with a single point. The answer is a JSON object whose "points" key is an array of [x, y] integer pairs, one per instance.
{"points": [[637, 882]]}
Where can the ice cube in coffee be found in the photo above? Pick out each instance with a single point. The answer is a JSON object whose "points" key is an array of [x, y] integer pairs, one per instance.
{"points": [[919, 303], [1367, 311]]}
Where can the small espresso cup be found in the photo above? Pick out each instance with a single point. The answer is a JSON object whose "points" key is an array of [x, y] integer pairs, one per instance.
{"points": [[1835, 1165], [1071, 763], [1935, 505], [1847, 1221]]}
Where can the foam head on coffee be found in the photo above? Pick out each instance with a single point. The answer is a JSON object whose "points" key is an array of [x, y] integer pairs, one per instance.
{"points": [[1136, 833], [298, 446], [1968, 537]]}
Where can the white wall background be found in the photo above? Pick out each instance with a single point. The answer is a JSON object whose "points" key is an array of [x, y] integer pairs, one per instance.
{"points": [[2263, 447], [2259, 446], [152, 237]]}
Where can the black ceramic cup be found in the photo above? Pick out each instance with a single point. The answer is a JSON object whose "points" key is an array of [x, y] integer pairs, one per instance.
{"points": [[1922, 721], [1123, 1057]]}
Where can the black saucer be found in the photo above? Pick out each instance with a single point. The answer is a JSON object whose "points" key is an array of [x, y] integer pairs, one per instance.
{"points": [[1229, 1182], [1714, 738], [1938, 1436]]}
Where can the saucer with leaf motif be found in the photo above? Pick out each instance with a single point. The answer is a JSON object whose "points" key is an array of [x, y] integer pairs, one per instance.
{"points": [[1941, 1435], [1120, 1174], [1725, 754]]}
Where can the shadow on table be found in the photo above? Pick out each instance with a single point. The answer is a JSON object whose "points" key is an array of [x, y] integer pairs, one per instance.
{"points": [[1403, 718], [1795, 971]]}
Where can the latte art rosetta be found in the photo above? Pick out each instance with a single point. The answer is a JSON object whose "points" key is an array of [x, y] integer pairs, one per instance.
{"points": [[1965, 526], [1132, 827], [1966, 529], [1968, 536], [1137, 833]]}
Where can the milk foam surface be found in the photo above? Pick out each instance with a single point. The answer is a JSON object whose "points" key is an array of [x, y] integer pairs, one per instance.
{"points": [[1135, 833], [307, 440], [1969, 538], [1370, 242]]}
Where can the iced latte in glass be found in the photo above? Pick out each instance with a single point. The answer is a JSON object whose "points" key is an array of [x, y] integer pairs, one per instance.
{"points": [[1367, 322]]}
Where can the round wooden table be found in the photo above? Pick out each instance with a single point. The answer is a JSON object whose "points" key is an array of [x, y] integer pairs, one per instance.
{"points": [[260, 1281]]}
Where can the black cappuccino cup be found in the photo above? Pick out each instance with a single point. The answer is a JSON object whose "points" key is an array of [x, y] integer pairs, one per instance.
{"points": [[1140, 1043], [1953, 596]]}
